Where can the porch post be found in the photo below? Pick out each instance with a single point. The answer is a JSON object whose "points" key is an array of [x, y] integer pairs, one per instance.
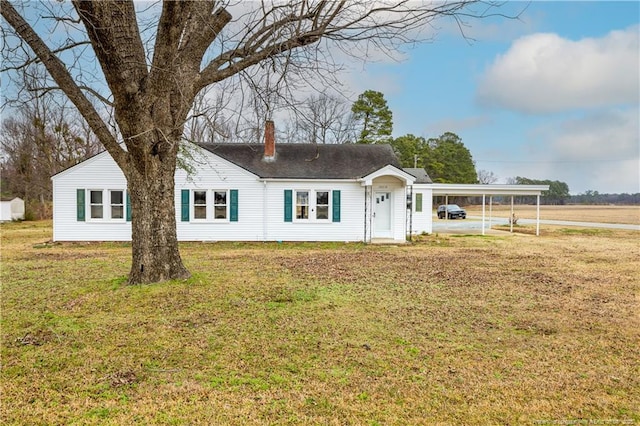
{"points": [[411, 202], [367, 214]]}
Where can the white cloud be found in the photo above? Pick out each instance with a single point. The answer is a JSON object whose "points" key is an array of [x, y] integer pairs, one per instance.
{"points": [[598, 151], [544, 73], [611, 135]]}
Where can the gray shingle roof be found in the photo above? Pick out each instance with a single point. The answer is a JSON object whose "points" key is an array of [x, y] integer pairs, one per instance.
{"points": [[420, 175], [309, 161]]}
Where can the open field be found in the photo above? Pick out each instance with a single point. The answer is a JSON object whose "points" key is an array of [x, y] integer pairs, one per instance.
{"points": [[598, 214], [449, 330]]}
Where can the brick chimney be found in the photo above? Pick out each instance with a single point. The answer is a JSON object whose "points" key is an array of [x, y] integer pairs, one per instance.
{"points": [[269, 141]]}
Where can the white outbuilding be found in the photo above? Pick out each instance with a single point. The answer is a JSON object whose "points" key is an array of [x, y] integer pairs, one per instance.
{"points": [[11, 209]]}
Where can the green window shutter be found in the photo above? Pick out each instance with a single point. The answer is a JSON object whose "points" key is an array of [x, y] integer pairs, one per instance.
{"points": [[185, 205], [128, 207], [288, 205], [80, 208], [233, 208], [336, 206], [419, 202]]}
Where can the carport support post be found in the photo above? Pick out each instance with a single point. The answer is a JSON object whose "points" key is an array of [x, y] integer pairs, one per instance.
{"points": [[538, 215], [446, 211], [511, 217], [483, 201], [490, 210]]}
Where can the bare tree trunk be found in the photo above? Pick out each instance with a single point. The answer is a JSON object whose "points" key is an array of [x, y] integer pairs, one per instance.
{"points": [[155, 254]]}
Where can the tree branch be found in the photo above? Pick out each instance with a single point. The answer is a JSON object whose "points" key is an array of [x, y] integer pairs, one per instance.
{"points": [[61, 75], [35, 60], [266, 42], [203, 27], [114, 34]]}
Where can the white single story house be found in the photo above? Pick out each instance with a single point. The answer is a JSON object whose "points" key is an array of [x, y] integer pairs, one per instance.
{"points": [[11, 209], [255, 192]]}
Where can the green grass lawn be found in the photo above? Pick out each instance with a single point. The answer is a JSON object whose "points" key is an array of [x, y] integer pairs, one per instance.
{"points": [[453, 330]]}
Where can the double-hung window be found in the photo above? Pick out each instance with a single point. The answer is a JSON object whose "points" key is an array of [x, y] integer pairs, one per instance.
{"points": [[312, 205], [322, 205], [117, 204], [220, 204], [105, 204], [96, 205], [302, 205], [210, 205], [200, 205]]}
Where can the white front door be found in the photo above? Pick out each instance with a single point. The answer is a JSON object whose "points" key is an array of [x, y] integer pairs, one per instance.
{"points": [[382, 215]]}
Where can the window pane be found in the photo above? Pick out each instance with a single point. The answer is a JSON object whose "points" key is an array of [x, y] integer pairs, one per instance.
{"points": [[322, 205], [220, 212], [96, 197], [220, 197], [116, 197], [302, 212], [302, 205], [322, 198], [117, 212], [418, 202], [302, 198], [96, 212], [199, 197], [200, 212], [322, 212]]}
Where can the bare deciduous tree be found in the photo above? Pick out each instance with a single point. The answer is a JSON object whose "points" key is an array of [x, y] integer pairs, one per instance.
{"points": [[41, 138], [324, 119], [487, 177], [156, 60]]}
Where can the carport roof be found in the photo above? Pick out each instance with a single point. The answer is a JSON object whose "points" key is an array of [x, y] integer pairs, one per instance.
{"points": [[486, 189], [476, 190]]}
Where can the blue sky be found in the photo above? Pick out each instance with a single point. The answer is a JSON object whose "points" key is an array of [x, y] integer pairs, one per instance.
{"points": [[552, 95]]}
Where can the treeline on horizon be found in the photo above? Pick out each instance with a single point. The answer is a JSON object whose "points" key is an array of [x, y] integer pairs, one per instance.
{"points": [[587, 198], [558, 194], [594, 197]]}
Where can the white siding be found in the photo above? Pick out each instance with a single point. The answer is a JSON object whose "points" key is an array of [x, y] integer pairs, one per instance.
{"points": [[5, 212], [12, 210], [17, 209], [350, 227], [215, 173], [422, 221], [99, 172]]}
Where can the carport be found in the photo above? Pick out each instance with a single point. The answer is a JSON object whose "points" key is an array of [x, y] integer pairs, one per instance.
{"points": [[484, 190]]}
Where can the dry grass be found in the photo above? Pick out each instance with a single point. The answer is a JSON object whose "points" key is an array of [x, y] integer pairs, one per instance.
{"points": [[598, 214], [449, 330]]}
